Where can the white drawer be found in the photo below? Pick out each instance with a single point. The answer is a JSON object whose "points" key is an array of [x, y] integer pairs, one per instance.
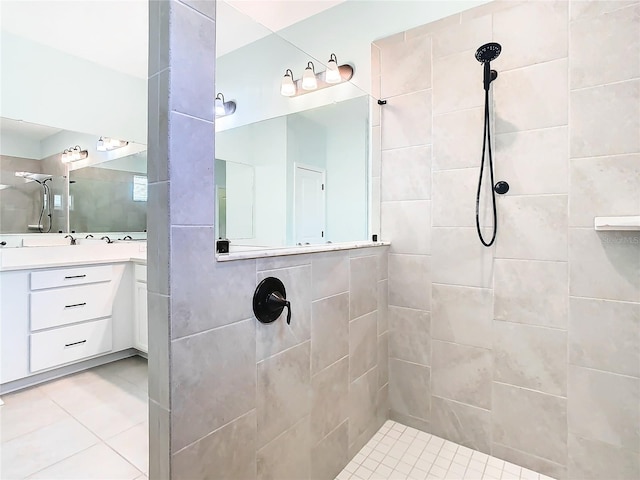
{"points": [[69, 344], [140, 272], [70, 276], [61, 306]]}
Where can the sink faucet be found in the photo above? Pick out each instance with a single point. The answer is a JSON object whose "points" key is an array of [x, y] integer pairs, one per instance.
{"points": [[107, 239], [73, 240], [89, 236], [128, 237]]}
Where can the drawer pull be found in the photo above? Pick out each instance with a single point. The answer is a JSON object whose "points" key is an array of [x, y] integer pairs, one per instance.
{"points": [[74, 343], [74, 276], [76, 305]]}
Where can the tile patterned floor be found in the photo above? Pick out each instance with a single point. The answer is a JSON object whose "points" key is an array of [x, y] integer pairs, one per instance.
{"points": [[397, 452], [91, 425]]}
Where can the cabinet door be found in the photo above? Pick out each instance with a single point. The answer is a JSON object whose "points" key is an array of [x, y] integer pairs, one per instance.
{"points": [[141, 326]]}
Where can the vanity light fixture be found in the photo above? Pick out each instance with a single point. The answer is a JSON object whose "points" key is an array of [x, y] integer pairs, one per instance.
{"points": [[332, 74], [107, 143], [73, 154], [223, 108], [288, 87], [311, 81]]}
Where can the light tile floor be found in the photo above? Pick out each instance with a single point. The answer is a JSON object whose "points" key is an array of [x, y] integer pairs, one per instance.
{"points": [[397, 452], [90, 425]]}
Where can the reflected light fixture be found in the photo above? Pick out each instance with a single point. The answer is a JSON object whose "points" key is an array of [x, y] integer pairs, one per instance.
{"points": [[107, 143], [223, 108], [73, 154], [288, 87], [332, 74], [309, 81]]}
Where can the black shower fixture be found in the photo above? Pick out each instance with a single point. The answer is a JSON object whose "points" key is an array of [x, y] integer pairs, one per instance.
{"points": [[485, 55]]}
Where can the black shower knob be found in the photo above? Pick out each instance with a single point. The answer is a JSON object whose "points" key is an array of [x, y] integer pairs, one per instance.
{"points": [[501, 188]]}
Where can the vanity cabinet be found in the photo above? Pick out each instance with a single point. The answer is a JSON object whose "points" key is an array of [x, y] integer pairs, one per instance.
{"points": [[54, 317], [141, 324]]}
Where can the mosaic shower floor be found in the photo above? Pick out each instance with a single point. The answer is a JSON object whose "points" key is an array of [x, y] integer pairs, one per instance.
{"points": [[397, 452]]}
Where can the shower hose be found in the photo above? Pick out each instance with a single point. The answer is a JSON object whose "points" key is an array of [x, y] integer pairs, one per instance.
{"points": [[486, 148]]}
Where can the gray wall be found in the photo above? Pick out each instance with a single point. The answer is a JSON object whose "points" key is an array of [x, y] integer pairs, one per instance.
{"points": [[529, 350], [229, 397]]}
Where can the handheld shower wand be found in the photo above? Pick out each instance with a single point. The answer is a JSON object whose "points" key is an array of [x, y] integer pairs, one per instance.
{"points": [[485, 55]]}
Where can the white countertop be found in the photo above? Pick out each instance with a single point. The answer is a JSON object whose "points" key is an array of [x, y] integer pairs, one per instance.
{"points": [[25, 258]]}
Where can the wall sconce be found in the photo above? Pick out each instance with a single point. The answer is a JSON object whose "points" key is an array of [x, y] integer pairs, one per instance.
{"points": [[312, 81], [223, 108], [107, 143], [73, 154]]}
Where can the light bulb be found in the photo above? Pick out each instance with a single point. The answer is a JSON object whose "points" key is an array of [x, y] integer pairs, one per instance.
{"points": [[219, 106], [332, 75], [288, 87], [309, 81]]}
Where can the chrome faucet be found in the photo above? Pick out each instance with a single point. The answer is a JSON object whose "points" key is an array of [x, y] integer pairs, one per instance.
{"points": [[73, 240]]}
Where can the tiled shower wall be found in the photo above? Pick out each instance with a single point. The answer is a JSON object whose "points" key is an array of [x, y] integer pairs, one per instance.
{"points": [[230, 397], [528, 350]]}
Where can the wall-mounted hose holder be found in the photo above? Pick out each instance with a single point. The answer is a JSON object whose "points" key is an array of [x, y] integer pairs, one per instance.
{"points": [[269, 300]]}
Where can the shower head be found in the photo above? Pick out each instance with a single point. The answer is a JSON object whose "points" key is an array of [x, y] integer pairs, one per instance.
{"points": [[488, 52]]}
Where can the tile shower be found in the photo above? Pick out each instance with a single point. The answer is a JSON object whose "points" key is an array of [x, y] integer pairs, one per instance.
{"points": [[528, 351]]}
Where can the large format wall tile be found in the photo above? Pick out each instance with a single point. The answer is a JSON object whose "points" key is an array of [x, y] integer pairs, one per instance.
{"points": [[363, 394], [383, 305], [531, 357], [611, 258], [363, 296], [462, 315], [533, 228], [205, 396], [533, 162], [605, 407], [407, 225], [611, 38], [405, 66], [409, 335], [604, 187], [283, 393], [452, 206], [383, 359], [462, 37], [457, 139], [329, 399], [531, 462], [455, 87], [406, 174], [330, 455], [409, 281], [580, 10], [329, 274], [532, 97], [363, 344], [605, 335], [329, 331], [529, 421], [531, 292], [229, 451], [278, 336], [535, 32], [593, 460], [409, 391], [458, 257], [287, 457], [461, 373], [604, 120], [406, 120], [460, 423]]}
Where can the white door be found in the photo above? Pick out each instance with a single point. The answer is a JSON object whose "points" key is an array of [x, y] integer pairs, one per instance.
{"points": [[309, 205]]}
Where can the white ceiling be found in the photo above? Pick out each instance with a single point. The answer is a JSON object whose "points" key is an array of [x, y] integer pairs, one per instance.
{"points": [[114, 33]]}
